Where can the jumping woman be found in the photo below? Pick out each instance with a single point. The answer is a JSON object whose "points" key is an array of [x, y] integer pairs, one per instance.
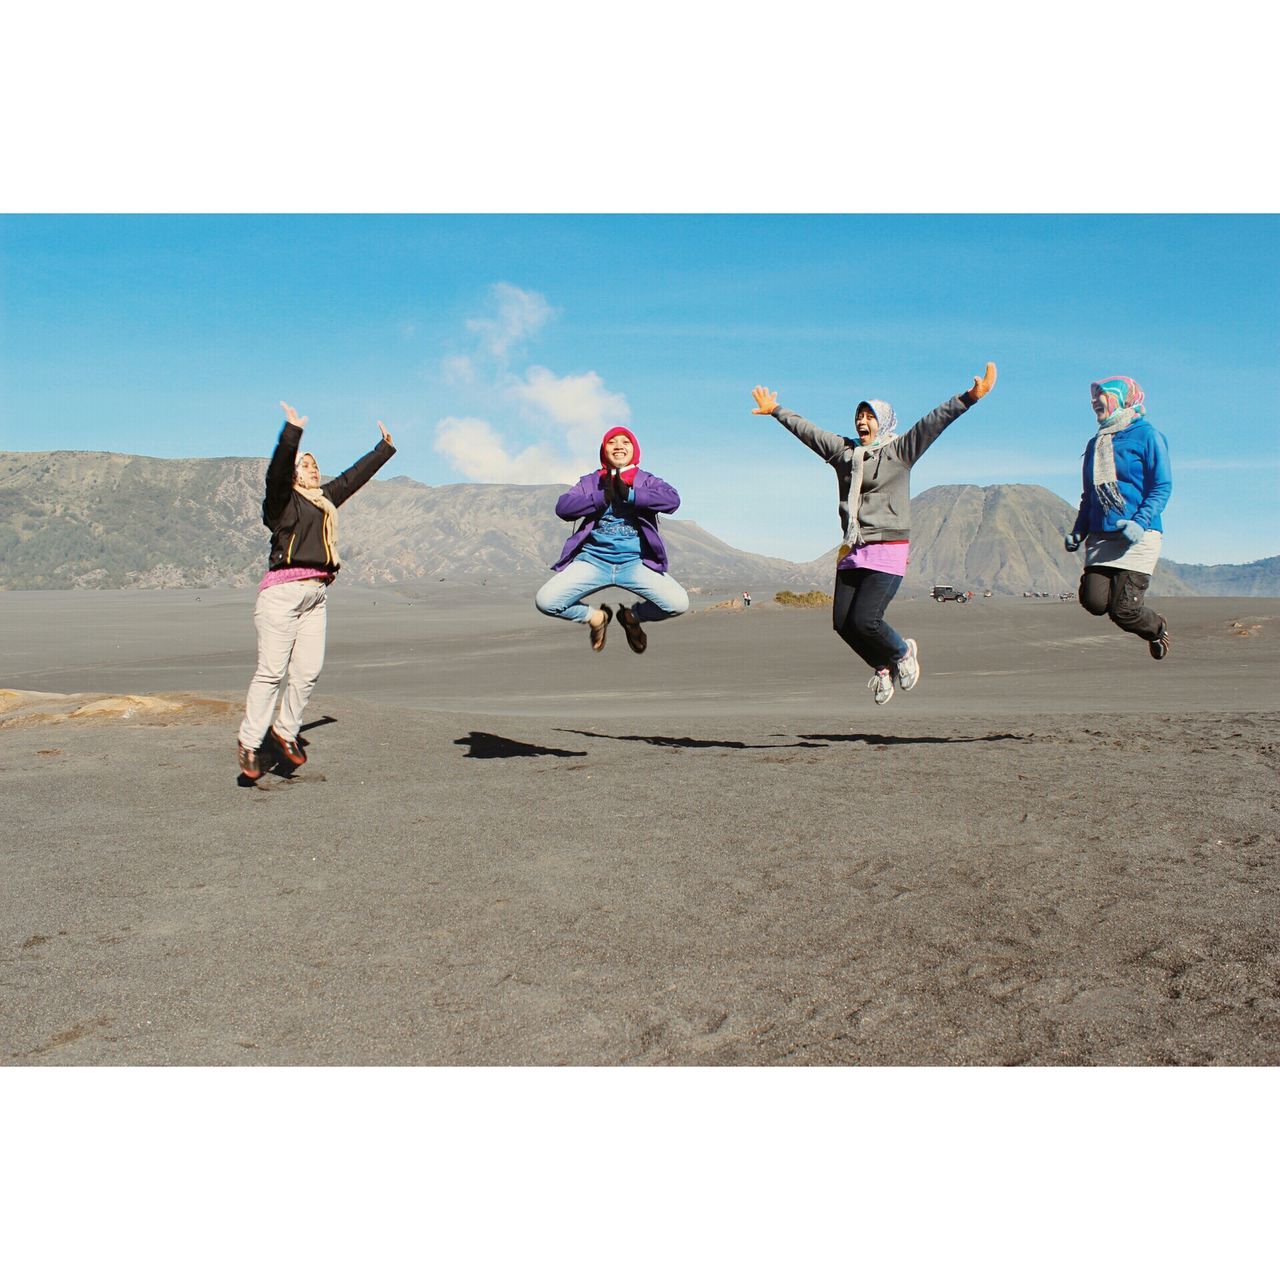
{"points": [[616, 544], [290, 614], [873, 477], [1127, 482]]}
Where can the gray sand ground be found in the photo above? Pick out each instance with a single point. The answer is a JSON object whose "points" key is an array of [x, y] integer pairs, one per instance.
{"points": [[507, 850]]}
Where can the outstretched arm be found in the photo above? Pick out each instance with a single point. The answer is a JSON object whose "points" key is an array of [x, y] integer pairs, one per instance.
{"points": [[356, 476], [280, 468], [825, 444], [912, 445]]}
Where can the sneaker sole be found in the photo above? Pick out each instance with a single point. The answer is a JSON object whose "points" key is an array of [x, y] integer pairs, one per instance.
{"points": [[915, 653], [1159, 647]]}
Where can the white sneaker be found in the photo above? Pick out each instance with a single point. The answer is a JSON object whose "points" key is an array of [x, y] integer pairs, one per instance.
{"points": [[882, 683], [909, 667]]}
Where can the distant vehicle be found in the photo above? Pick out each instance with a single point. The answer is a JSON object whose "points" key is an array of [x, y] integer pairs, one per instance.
{"points": [[942, 593], [986, 595], [1066, 595]]}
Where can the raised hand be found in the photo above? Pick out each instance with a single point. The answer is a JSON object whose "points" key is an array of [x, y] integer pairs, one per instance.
{"points": [[766, 401], [291, 416], [386, 435], [984, 384]]}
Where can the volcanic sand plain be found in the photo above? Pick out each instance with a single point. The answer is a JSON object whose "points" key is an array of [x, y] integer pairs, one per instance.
{"points": [[505, 849]]}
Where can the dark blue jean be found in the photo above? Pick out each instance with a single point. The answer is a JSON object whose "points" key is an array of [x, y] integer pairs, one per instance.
{"points": [[861, 597]]}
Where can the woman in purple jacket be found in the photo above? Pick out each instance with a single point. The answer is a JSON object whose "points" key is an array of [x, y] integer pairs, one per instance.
{"points": [[616, 544]]}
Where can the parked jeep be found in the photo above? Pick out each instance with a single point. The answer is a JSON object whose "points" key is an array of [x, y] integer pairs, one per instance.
{"points": [[942, 593]]}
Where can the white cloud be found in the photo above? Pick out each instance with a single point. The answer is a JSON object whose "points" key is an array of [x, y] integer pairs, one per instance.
{"points": [[520, 314], [474, 449], [458, 369], [558, 421], [580, 403]]}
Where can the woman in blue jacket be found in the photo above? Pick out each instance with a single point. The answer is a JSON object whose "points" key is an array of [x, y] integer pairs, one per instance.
{"points": [[1127, 482]]}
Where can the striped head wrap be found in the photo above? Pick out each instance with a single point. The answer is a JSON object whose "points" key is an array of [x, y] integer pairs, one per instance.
{"points": [[1118, 404]]}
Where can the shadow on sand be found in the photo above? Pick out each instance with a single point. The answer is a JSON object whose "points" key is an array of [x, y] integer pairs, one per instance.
{"points": [[661, 740], [883, 740], [488, 746], [808, 741]]}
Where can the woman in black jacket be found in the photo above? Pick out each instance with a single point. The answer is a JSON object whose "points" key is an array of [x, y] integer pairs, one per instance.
{"points": [[290, 615]]}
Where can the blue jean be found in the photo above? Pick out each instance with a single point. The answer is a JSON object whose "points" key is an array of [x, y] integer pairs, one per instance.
{"points": [[661, 595], [857, 614]]}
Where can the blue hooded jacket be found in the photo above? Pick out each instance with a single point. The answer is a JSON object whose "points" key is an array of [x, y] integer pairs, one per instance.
{"points": [[1143, 476]]}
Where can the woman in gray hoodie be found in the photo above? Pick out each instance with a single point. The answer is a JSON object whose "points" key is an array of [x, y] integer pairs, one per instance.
{"points": [[873, 478]]}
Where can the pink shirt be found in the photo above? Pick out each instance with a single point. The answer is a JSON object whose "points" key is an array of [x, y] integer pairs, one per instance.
{"points": [[883, 557], [274, 577]]}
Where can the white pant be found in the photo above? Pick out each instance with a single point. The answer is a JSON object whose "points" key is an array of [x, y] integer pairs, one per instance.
{"points": [[290, 619]]}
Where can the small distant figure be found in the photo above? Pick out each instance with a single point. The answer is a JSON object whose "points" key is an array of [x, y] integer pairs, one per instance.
{"points": [[746, 599], [616, 544], [1127, 482], [302, 515]]}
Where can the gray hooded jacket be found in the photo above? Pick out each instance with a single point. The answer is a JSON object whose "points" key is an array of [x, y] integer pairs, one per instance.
{"points": [[884, 514]]}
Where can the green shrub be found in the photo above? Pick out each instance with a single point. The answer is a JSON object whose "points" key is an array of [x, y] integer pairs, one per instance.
{"points": [[809, 600]]}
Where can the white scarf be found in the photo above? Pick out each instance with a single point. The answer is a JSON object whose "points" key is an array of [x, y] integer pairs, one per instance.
{"points": [[1104, 458], [860, 455]]}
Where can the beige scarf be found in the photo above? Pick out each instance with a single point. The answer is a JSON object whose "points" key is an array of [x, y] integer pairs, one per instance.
{"points": [[316, 498]]}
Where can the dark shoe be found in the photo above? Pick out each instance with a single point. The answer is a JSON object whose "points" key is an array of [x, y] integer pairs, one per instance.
{"points": [[250, 765], [598, 633], [288, 748], [636, 637], [1160, 645]]}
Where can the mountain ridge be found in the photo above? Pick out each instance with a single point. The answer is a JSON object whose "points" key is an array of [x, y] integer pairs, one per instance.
{"points": [[73, 519]]}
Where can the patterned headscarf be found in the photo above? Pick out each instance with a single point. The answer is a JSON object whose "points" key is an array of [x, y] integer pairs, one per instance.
{"points": [[1113, 396], [885, 416], [1118, 403]]}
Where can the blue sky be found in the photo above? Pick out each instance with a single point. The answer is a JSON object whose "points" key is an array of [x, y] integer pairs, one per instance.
{"points": [[497, 347]]}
